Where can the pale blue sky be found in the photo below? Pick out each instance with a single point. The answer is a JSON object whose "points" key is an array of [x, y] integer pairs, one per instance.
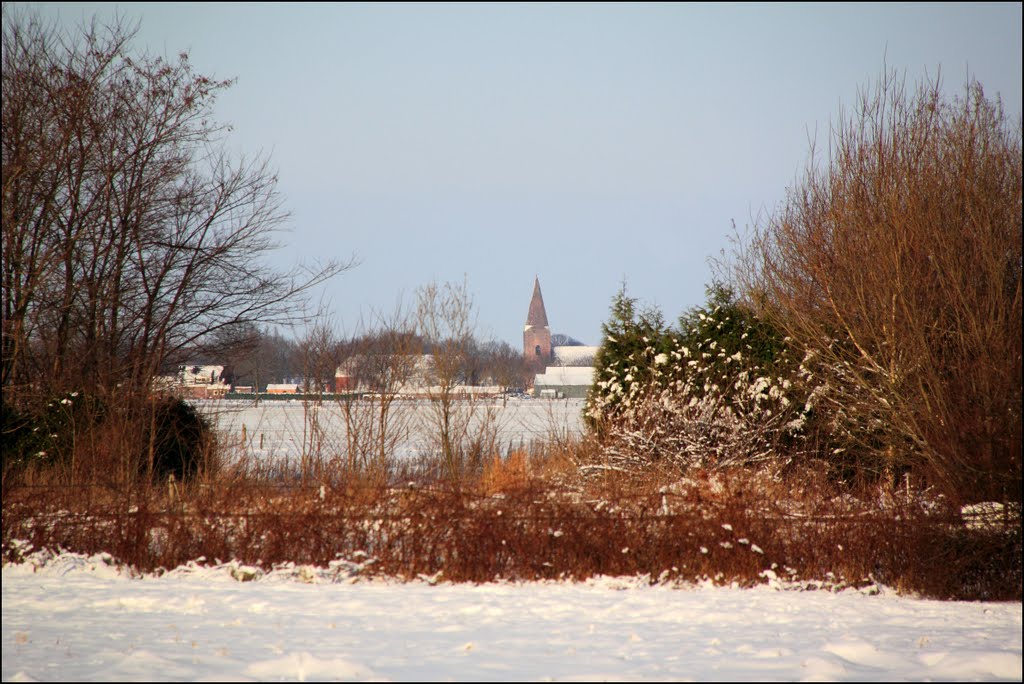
{"points": [[585, 144]]}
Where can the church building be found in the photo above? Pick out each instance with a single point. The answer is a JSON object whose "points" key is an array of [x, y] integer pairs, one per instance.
{"points": [[537, 333], [563, 371]]}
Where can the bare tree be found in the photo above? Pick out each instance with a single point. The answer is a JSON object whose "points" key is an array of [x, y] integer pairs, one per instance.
{"points": [[129, 236], [446, 320], [236, 347], [897, 267], [504, 366], [381, 365], [561, 340], [317, 355]]}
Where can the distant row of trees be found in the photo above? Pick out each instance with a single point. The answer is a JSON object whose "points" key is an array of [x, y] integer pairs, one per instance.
{"points": [[385, 359], [262, 355]]}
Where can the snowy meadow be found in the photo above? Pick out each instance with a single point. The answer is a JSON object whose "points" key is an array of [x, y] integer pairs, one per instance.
{"points": [[278, 432], [72, 617], [259, 612]]}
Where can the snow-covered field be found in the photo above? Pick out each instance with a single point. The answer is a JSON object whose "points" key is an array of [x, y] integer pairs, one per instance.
{"points": [[277, 430], [77, 618], [71, 617]]}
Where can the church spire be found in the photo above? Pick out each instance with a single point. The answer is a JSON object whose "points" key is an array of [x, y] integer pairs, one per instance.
{"points": [[536, 335], [537, 316]]}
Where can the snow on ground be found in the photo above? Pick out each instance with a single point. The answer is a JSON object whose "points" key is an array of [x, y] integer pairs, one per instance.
{"points": [[77, 618], [277, 430]]}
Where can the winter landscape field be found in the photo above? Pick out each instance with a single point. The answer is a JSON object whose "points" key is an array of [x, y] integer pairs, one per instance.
{"points": [[798, 258], [72, 617], [77, 618], [277, 432]]}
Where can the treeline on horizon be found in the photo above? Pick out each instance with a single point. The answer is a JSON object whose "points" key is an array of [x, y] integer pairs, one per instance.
{"points": [[254, 356]]}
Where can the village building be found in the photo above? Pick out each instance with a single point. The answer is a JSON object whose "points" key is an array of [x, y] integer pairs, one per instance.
{"points": [[283, 388], [196, 382], [558, 382], [409, 376]]}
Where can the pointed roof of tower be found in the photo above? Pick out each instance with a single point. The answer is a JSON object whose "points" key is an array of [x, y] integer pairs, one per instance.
{"points": [[537, 318]]}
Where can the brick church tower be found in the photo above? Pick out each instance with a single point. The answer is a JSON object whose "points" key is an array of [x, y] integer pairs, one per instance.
{"points": [[536, 333]]}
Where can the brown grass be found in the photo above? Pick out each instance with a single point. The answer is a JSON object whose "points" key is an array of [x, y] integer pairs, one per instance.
{"points": [[512, 523]]}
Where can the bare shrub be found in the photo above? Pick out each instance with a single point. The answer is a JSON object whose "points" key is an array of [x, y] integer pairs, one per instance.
{"points": [[464, 431], [896, 265], [317, 354], [726, 526], [381, 364]]}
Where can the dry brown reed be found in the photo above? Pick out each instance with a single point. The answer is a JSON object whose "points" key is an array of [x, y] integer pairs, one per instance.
{"points": [[513, 523]]}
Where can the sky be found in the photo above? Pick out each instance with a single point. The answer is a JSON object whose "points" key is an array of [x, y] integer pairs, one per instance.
{"points": [[587, 145]]}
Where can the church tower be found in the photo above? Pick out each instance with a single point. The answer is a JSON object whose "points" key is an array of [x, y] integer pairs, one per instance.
{"points": [[536, 333]]}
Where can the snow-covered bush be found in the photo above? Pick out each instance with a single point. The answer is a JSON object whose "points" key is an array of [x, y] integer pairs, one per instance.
{"points": [[723, 389], [636, 343]]}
